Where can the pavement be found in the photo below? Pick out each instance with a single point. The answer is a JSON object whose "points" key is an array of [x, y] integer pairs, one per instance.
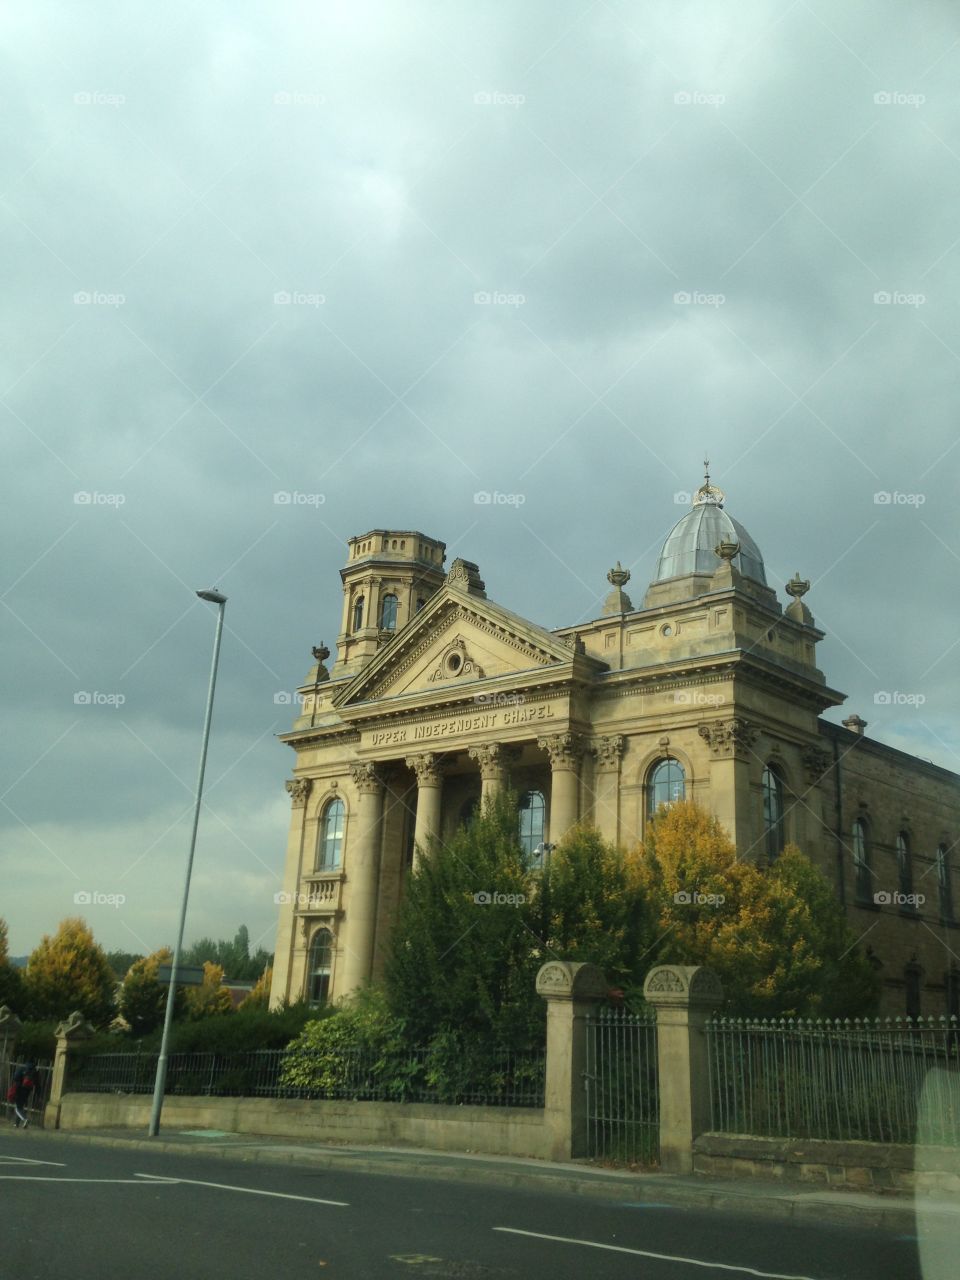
{"points": [[754, 1196]]}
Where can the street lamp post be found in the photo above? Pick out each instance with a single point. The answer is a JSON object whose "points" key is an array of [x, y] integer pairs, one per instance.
{"points": [[215, 597]]}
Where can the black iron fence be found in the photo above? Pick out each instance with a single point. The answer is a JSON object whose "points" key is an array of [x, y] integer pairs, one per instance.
{"points": [[841, 1080], [507, 1079], [623, 1100]]}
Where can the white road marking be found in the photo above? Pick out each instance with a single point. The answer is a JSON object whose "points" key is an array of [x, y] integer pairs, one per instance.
{"points": [[661, 1257], [58, 1164], [250, 1191], [27, 1177]]}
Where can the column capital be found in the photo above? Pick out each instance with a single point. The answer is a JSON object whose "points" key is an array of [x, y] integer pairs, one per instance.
{"points": [[608, 749], [366, 777], [428, 767], [492, 759], [298, 790], [816, 762], [733, 736], [564, 749]]}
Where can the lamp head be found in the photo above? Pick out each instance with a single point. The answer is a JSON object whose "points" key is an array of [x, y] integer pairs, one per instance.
{"points": [[215, 597]]}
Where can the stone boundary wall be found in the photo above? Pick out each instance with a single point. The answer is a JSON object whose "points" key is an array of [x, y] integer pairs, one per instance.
{"points": [[505, 1131], [858, 1166]]}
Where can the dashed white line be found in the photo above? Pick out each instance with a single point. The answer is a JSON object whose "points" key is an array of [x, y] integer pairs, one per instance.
{"points": [[661, 1257]]}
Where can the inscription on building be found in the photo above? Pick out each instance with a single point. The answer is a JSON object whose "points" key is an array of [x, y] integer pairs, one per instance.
{"points": [[486, 720]]}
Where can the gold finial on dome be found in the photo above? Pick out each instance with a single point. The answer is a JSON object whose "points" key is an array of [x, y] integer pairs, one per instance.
{"points": [[708, 493]]}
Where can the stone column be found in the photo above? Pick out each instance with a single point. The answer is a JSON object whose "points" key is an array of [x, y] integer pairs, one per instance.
{"points": [[68, 1033], [429, 773], [683, 996], [730, 742], [492, 759], [9, 1030], [565, 751], [571, 992], [606, 800], [815, 833], [362, 867], [283, 964]]}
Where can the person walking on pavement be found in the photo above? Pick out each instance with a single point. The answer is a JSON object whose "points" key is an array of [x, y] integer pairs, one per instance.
{"points": [[24, 1083]]}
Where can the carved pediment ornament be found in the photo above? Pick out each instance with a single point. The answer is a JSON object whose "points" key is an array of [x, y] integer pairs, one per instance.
{"points": [[455, 662], [298, 789], [729, 737]]}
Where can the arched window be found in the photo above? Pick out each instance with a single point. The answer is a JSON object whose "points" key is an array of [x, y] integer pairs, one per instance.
{"points": [[318, 967], [904, 868], [532, 824], [772, 788], [861, 860], [358, 613], [666, 783], [331, 836], [420, 603], [944, 888], [388, 613]]}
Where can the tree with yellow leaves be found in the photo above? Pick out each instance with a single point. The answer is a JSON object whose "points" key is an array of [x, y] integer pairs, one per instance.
{"points": [[211, 997], [143, 999], [776, 936], [259, 997], [11, 982], [70, 971]]}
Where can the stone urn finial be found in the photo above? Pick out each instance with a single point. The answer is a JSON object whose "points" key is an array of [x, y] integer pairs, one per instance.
{"points": [[727, 550]]}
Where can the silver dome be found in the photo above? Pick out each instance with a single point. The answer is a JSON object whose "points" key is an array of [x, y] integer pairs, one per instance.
{"points": [[689, 547]]}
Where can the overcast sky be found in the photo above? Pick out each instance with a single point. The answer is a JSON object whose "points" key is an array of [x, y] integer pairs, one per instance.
{"points": [[243, 248]]}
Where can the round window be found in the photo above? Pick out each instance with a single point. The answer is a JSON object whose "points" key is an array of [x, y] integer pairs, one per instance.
{"points": [[454, 662], [667, 630]]}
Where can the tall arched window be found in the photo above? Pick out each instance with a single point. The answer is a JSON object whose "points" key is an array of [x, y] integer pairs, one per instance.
{"points": [[388, 613], [861, 860], [331, 836], [666, 783], [772, 788], [468, 811], [944, 887], [319, 964], [532, 816], [904, 868], [358, 613]]}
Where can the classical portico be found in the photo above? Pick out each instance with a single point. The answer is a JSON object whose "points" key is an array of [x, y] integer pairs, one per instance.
{"points": [[441, 698]]}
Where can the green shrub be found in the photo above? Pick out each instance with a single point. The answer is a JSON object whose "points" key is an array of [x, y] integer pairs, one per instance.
{"points": [[360, 1035]]}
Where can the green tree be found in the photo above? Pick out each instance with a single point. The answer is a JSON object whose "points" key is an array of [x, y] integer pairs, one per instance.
{"points": [[11, 980], [143, 1000], [70, 971], [210, 998], [777, 937], [466, 948], [120, 961]]}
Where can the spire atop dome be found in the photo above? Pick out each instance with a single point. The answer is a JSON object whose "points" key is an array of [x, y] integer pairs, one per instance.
{"points": [[708, 493]]}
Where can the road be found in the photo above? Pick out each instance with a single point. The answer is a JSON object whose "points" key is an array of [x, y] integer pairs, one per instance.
{"points": [[98, 1213]]}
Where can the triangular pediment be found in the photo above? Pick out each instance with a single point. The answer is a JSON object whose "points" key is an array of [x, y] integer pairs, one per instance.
{"points": [[458, 639]]}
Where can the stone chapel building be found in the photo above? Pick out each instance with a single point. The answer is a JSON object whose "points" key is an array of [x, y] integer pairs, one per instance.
{"points": [[710, 690]]}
